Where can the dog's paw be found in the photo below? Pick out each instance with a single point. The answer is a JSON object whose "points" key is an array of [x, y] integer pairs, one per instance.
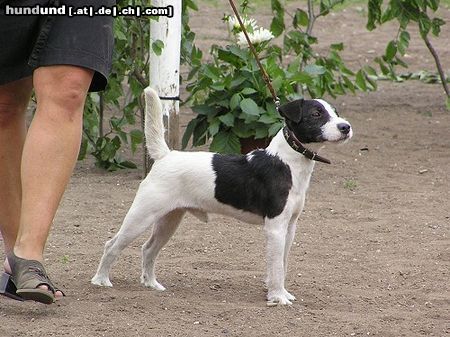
{"points": [[152, 283], [289, 296], [279, 298], [101, 281]]}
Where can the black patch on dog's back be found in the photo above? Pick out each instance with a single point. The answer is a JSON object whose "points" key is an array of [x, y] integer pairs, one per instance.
{"points": [[260, 185]]}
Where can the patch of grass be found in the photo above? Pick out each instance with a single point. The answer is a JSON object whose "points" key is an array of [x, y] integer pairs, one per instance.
{"points": [[425, 113], [350, 184]]}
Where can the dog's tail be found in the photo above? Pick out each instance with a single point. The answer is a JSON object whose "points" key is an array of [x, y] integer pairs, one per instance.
{"points": [[154, 126]]}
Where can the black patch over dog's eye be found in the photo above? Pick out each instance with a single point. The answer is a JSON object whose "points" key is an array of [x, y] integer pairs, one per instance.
{"points": [[317, 113]]}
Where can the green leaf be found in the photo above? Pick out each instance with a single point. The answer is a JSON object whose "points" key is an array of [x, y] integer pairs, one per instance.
{"points": [[370, 71], [301, 18], [241, 53], [158, 47], [191, 4], [127, 164], [227, 119], [447, 103], [403, 42], [242, 130], [274, 128], [214, 127], [212, 72], [337, 46], [249, 107], [373, 13], [400, 62], [424, 25], [83, 149], [261, 132], [301, 77], [188, 133], [237, 82], [136, 137], [266, 119], [348, 84], [217, 86], [314, 70], [436, 24], [361, 81], [204, 109], [434, 4], [391, 50], [120, 35], [248, 91], [384, 70], [225, 142], [234, 101], [277, 25]]}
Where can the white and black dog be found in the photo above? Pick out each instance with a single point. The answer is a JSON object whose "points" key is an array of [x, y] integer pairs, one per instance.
{"points": [[266, 186]]}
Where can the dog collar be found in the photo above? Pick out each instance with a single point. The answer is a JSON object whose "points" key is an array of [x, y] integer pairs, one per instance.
{"points": [[295, 144]]}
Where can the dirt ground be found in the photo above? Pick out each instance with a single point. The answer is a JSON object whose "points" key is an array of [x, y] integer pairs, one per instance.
{"points": [[372, 250]]}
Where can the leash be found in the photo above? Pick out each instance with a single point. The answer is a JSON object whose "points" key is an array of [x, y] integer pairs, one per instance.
{"points": [[255, 54], [291, 139]]}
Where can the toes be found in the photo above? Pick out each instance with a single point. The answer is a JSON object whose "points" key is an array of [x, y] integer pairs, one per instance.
{"points": [[152, 283], [101, 281], [289, 296], [58, 293], [278, 299]]}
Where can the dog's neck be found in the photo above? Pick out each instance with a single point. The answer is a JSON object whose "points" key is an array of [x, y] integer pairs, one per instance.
{"points": [[279, 147], [297, 146]]}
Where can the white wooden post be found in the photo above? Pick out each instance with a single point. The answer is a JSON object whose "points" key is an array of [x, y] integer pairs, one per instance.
{"points": [[165, 68]]}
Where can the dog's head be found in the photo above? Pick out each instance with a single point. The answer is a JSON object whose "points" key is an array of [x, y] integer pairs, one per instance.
{"points": [[314, 121]]}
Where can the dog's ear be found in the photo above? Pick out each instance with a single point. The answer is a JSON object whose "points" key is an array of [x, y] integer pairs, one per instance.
{"points": [[292, 110]]}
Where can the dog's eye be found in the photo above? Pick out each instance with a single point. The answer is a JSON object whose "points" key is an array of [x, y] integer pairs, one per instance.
{"points": [[316, 113]]}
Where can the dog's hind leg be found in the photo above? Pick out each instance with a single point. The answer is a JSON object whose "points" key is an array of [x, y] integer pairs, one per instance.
{"points": [[136, 222], [162, 232]]}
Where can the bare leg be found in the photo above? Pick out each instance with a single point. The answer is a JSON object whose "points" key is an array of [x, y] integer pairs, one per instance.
{"points": [[48, 156], [50, 152], [14, 98], [162, 232]]}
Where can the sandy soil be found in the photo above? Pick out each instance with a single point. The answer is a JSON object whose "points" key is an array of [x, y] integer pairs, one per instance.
{"points": [[372, 251]]}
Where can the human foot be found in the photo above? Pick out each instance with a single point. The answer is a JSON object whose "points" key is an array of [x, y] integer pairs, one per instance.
{"points": [[31, 280]]}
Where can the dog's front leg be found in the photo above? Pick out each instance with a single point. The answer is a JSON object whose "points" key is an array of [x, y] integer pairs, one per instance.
{"points": [[290, 236], [276, 231]]}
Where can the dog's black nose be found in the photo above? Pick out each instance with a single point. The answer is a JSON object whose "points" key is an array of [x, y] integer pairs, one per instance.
{"points": [[344, 128]]}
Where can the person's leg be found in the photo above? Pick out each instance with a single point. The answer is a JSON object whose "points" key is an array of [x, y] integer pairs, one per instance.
{"points": [[14, 98], [50, 152]]}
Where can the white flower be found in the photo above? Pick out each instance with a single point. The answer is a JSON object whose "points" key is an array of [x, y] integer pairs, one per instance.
{"points": [[234, 25], [258, 36]]}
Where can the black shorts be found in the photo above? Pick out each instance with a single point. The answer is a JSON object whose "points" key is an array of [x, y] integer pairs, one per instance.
{"points": [[31, 41]]}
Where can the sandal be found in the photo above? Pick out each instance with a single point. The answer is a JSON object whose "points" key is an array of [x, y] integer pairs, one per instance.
{"points": [[27, 276], [8, 288]]}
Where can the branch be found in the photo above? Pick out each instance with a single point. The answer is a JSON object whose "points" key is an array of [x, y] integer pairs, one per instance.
{"points": [[438, 65], [140, 78], [312, 17]]}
